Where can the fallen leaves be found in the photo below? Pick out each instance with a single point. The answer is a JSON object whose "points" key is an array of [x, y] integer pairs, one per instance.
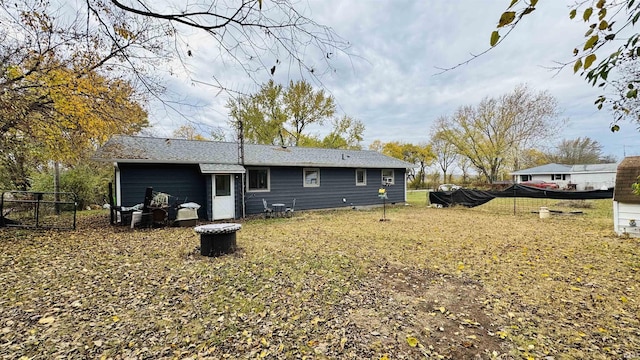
{"points": [[412, 341], [46, 320], [325, 285]]}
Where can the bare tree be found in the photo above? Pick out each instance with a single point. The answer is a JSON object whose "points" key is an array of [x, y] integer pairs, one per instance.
{"points": [[260, 36], [134, 39], [464, 164], [445, 151], [625, 103], [577, 151], [489, 133]]}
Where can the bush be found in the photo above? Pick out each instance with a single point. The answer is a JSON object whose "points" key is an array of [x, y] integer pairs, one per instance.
{"points": [[416, 183], [89, 182]]}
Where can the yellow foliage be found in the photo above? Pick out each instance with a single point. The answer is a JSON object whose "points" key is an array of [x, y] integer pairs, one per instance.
{"points": [[86, 109]]}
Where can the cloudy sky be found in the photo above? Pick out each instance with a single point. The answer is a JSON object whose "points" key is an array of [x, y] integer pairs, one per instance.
{"points": [[390, 78]]}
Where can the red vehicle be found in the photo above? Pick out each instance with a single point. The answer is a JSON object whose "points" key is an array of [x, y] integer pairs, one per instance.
{"points": [[541, 184]]}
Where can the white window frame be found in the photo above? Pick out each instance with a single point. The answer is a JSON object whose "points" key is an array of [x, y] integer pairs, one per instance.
{"points": [[385, 178], [364, 177], [556, 177], [268, 179], [304, 177]]}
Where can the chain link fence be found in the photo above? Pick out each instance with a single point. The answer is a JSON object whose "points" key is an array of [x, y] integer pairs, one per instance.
{"points": [[38, 210]]}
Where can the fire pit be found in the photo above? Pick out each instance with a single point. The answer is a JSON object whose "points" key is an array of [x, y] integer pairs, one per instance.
{"points": [[216, 239]]}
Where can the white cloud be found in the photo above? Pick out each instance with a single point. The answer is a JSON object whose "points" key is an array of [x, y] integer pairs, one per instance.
{"points": [[389, 82]]}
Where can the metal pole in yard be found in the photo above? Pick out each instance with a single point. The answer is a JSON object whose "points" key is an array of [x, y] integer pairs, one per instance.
{"points": [[38, 198], [514, 195], [384, 209]]}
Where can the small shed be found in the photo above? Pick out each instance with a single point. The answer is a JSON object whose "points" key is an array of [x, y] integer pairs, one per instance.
{"points": [[626, 204]]}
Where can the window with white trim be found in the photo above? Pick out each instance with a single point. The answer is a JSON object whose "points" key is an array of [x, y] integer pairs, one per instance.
{"points": [[311, 177], [258, 179], [387, 177], [361, 177]]}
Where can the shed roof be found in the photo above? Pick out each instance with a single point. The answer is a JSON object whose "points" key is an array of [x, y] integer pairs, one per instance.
{"points": [[121, 148], [628, 172]]}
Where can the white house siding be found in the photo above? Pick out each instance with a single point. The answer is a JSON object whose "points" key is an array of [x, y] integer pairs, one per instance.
{"points": [[581, 177], [622, 214], [593, 181], [547, 178], [585, 181]]}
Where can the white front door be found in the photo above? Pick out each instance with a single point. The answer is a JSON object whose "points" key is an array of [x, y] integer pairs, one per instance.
{"points": [[223, 199]]}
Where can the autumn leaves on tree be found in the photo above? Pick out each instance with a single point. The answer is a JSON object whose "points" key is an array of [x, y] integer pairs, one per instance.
{"points": [[283, 116], [70, 76], [58, 99]]}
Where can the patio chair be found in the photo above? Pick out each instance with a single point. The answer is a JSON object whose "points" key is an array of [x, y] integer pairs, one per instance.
{"points": [[288, 212], [268, 212], [145, 217]]}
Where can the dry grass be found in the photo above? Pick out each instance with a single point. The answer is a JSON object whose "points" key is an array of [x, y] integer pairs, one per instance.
{"points": [[429, 283]]}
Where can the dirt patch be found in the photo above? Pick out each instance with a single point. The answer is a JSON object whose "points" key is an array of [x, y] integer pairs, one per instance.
{"points": [[404, 309]]}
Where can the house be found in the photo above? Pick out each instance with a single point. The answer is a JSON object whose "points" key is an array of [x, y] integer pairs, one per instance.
{"points": [[215, 175], [575, 177], [626, 204]]}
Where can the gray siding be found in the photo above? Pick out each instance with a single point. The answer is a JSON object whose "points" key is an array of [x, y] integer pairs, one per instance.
{"points": [[187, 183], [184, 182], [336, 184]]}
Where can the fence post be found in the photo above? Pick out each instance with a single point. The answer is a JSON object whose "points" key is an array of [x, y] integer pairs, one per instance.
{"points": [[111, 205], [38, 198], [75, 209]]}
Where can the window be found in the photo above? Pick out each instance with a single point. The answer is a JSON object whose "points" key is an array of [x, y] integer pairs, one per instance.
{"points": [[387, 177], [361, 177], [525, 177], [258, 179], [311, 177], [556, 177], [223, 185]]}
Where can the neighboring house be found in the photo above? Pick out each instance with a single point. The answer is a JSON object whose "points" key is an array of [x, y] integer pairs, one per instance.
{"points": [[213, 175], [576, 177], [626, 204]]}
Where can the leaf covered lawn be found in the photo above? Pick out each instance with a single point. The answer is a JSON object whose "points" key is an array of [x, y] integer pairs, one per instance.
{"points": [[429, 283]]}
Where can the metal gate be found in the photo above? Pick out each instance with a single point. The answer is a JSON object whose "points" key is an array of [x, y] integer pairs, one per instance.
{"points": [[41, 210]]}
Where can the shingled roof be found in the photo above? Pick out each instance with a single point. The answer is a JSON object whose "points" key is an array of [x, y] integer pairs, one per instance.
{"points": [[552, 168], [121, 148], [628, 172]]}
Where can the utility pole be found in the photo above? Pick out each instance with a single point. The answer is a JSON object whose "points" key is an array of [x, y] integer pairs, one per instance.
{"points": [[240, 136]]}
